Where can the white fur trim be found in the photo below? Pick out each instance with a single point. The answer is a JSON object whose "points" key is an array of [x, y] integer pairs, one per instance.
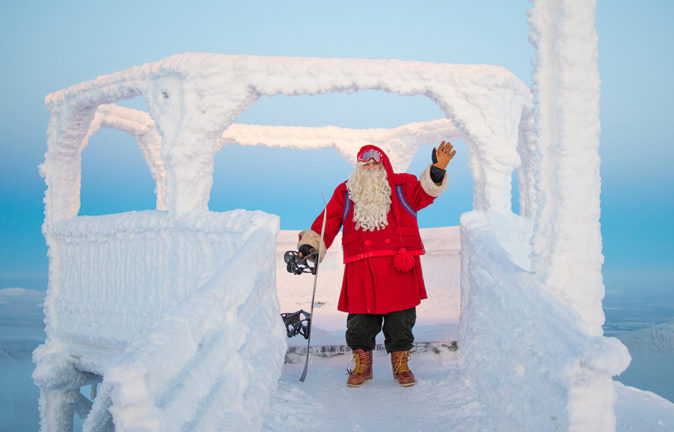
{"points": [[431, 188], [312, 238]]}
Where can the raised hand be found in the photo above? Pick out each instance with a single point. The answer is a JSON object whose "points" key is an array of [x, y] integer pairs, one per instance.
{"points": [[443, 154]]}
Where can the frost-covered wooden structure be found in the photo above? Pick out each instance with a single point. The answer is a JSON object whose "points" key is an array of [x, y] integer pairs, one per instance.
{"points": [[157, 304]]}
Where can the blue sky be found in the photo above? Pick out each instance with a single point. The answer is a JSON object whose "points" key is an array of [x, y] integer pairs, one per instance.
{"points": [[48, 46]]}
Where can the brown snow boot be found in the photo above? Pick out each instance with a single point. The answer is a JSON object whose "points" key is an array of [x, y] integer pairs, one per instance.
{"points": [[362, 370], [401, 372]]}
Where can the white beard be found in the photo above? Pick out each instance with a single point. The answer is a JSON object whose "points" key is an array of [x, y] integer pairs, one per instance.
{"points": [[371, 195]]}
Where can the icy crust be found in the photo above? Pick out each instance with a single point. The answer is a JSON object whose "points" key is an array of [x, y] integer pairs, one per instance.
{"points": [[178, 315], [194, 97], [521, 342], [511, 232], [317, 75], [113, 276], [400, 143], [212, 362], [567, 237]]}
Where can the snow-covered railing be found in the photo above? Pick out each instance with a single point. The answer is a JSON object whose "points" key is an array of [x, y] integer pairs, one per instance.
{"points": [[118, 274], [212, 362], [521, 342], [172, 294]]}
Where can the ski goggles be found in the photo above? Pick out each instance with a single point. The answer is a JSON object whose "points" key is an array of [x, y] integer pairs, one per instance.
{"points": [[370, 154]]}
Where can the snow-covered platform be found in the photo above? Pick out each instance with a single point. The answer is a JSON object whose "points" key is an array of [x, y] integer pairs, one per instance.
{"points": [[442, 400], [322, 402]]}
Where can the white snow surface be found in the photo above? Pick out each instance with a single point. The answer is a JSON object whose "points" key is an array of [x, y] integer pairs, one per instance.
{"points": [[443, 399], [509, 323]]}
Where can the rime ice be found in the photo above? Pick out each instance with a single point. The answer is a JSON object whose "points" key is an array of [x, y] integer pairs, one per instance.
{"points": [[159, 304]]}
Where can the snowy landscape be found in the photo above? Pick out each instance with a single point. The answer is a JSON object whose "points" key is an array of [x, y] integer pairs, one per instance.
{"points": [[442, 400], [444, 397], [165, 316]]}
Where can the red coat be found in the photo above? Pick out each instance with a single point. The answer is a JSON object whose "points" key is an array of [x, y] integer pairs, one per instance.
{"points": [[371, 282]]}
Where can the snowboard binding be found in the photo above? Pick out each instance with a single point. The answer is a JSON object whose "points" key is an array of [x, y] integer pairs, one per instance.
{"points": [[297, 264], [295, 324]]}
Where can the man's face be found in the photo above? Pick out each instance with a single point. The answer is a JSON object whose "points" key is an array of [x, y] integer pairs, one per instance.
{"points": [[371, 160], [371, 165]]}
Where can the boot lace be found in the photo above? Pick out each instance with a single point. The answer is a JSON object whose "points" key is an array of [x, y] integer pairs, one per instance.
{"points": [[360, 361], [400, 365]]}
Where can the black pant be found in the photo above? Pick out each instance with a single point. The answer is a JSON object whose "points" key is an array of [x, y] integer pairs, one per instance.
{"points": [[361, 330]]}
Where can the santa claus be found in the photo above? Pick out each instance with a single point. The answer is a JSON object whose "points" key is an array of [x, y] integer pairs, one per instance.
{"points": [[383, 282]]}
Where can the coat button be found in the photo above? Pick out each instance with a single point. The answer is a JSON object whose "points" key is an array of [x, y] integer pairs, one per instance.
{"points": [[387, 241], [368, 242]]}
